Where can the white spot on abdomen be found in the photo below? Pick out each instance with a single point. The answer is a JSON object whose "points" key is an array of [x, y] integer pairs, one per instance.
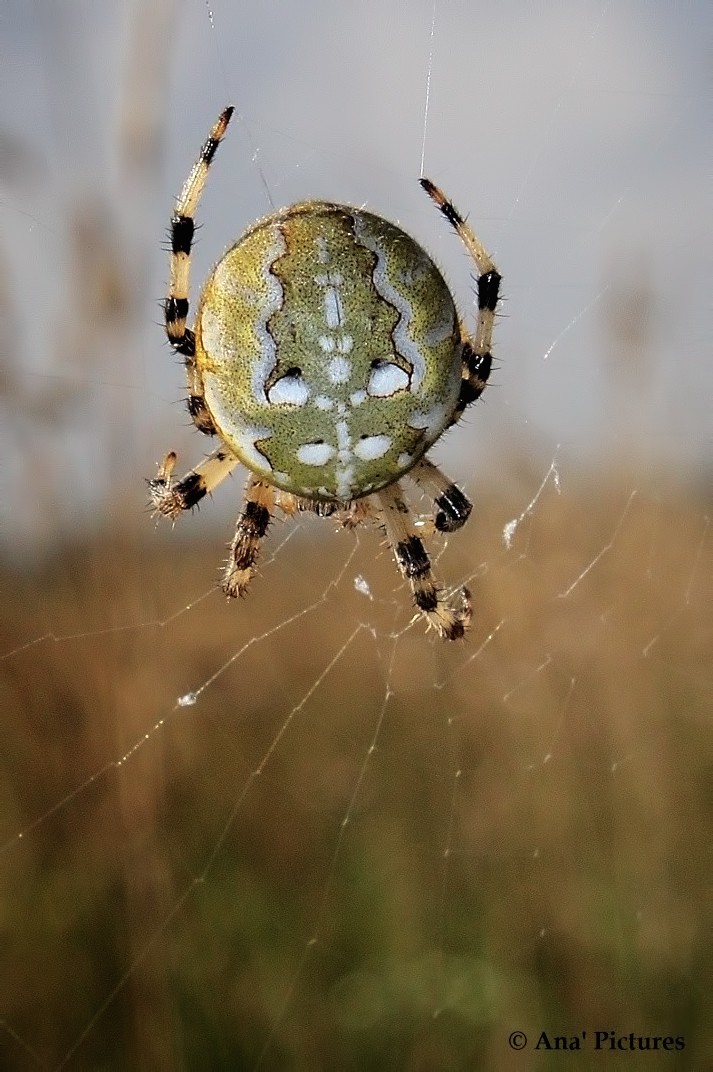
{"points": [[339, 370], [315, 453], [289, 390], [386, 380], [372, 447]]}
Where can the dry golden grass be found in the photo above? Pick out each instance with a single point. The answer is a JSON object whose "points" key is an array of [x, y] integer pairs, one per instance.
{"points": [[576, 891]]}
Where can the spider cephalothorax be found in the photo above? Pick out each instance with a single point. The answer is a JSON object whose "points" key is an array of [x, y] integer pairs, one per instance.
{"points": [[327, 356]]}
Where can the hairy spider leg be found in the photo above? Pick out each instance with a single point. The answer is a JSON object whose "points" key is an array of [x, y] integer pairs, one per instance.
{"points": [[449, 618], [477, 357], [172, 499], [451, 507], [176, 305], [251, 527]]}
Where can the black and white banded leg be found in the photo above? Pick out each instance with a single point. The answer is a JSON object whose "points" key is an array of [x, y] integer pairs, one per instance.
{"points": [[477, 356], [181, 337], [250, 530], [451, 507], [449, 617], [171, 499]]}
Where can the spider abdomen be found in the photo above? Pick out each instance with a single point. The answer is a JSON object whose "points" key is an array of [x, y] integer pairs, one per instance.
{"points": [[329, 350], [327, 356]]}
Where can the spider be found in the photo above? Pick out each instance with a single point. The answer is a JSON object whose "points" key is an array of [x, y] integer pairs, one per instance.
{"points": [[327, 356]]}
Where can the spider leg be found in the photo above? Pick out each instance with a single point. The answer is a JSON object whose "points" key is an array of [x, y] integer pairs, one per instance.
{"points": [[449, 619], [172, 499], [251, 527], [452, 507], [175, 307], [477, 358]]}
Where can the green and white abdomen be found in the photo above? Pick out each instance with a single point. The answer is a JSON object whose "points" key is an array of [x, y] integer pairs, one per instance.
{"points": [[329, 349]]}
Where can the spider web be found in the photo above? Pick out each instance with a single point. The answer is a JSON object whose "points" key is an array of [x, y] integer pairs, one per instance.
{"points": [[299, 832]]}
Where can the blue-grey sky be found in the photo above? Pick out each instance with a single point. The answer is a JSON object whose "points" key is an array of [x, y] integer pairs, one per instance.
{"points": [[575, 136]]}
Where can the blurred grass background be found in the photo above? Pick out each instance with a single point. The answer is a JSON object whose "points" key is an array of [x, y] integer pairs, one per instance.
{"points": [[576, 889], [443, 844]]}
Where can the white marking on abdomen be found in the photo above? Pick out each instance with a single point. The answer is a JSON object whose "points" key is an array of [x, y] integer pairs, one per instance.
{"points": [[242, 437], [343, 437], [323, 254], [262, 368], [342, 343], [344, 475], [333, 311], [372, 447], [339, 370], [386, 380], [433, 422], [315, 453], [345, 482], [290, 390], [405, 346]]}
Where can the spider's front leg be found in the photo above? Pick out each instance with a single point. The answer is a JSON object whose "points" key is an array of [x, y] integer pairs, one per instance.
{"points": [[477, 358], [450, 619], [172, 499], [181, 337]]}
